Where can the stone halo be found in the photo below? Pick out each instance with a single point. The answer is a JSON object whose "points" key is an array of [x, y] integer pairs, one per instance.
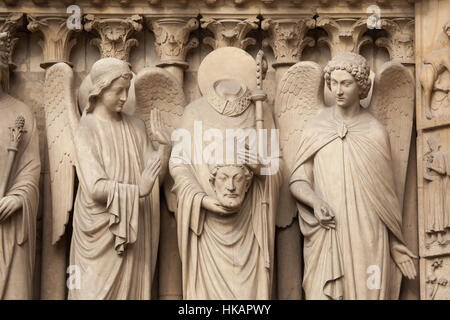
{"points": [[227, 63]]}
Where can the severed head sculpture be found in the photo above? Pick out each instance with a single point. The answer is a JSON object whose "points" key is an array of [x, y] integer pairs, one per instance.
{"points": [[231, 183]]}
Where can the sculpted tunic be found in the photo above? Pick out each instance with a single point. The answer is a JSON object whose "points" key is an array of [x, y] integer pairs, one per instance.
{"points": [[348, 165], [437, 195], [18, 231], [223, 257], [115, 232]]}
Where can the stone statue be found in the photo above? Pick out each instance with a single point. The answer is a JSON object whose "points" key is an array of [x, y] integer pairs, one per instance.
{"points": [[19, 188], [230, 184], [116, 213], [437, 172], [348, 175], [226, 204], [435, 64]]}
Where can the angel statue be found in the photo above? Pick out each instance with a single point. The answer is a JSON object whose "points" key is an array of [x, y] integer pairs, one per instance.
{"points": [[116, 213], [347, 167], [226, 200], [19, 188]]}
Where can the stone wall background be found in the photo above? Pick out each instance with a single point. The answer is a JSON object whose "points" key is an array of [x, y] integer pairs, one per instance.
{"points": [[28, 78]]}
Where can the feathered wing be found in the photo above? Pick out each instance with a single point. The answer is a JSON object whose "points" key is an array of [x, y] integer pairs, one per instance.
{"points": [[61, 115], [157, 88], [299, 97], [393, 105]]}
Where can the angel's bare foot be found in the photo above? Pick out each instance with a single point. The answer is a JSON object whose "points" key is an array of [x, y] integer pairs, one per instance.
{"points": [[429, 114]]}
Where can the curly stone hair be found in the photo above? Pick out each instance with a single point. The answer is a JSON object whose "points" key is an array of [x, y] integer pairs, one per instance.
{"points": [[354, 64], [213, 172]]}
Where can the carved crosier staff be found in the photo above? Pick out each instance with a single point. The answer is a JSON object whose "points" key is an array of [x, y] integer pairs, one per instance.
{"points": [[16, 133], [258, 97]]}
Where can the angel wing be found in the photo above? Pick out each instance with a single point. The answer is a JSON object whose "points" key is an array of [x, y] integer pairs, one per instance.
{"points": [[61, 115], [299, 97], [157, 88], [393, 105]]}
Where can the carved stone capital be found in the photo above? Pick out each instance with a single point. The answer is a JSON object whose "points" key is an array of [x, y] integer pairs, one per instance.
{"points": [[287, 38], [344, 34], [173, 39], [115, 35], [57, 41], [9, 26], [229, 32], [400, 39]]}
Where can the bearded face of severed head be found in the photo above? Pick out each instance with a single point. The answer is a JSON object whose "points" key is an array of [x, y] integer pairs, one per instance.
{"points": [[231, 183]]}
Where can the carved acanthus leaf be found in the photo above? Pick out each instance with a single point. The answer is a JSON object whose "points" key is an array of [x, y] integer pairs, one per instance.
{"points": [[57, 41], [9, 26], [344, 34], [287, 38], [115, 35], [229, 32], [400, 39], [173, 38]]}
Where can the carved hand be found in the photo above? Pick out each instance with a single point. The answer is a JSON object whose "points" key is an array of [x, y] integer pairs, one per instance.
{"points": [[9, 205], [149, 176], [160, 133], [211, 204], [324, 213], [403, 258]]}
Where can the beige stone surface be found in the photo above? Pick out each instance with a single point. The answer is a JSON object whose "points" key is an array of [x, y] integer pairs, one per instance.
{"points": [[19, 186], [432, 53], [177, 36]]}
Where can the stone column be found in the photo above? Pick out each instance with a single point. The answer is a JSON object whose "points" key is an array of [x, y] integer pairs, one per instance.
{"points": [[399, 42], [10, 24], [287, 38], [432, 52], [56, 42], [343, 34], [115, 35], [229, 32], [172, 41]]}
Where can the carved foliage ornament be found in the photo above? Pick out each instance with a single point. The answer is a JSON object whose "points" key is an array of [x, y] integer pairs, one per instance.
{"points": [[57, 41], [400, 39], [229, 32], [433, 280], [8, 40], [115, 35], [344, 35], [172, 38], [287, 38]]}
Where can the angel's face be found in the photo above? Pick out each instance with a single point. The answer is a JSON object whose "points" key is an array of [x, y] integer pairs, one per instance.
{"points": [[345, 89], [115, 96], [231, 186]]}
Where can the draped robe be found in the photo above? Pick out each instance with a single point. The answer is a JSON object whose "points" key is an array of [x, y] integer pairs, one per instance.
{"points": [[18, 231], [115, 232], [348, 165], [437, 193], [223, 257]]}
